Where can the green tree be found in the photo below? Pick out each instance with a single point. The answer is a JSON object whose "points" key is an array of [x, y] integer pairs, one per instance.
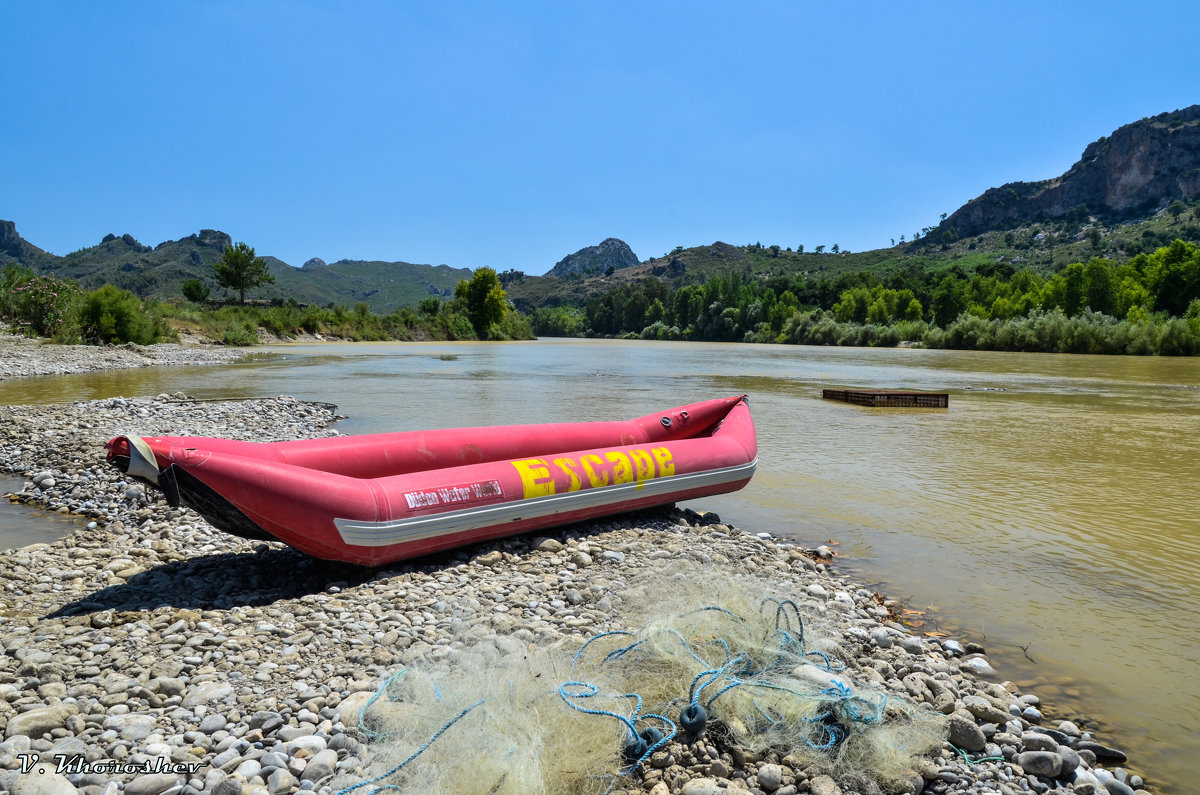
{"points": [[238, 269], [483, 299], [1098, 285], [1173, 275], [195, 291], [949, 300]]}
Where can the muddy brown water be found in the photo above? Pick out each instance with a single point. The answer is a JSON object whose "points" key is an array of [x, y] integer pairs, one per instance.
{"points": [[1051, 513]]}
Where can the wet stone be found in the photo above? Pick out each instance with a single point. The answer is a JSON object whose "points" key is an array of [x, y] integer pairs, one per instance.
{"points": [[1045, 764], [965, 733]]}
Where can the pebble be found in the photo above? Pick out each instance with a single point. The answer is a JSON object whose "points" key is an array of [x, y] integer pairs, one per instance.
{"points": [[979, 666], [151, 784], [964, 732], [47, 783], [824, 785], [1046, 764], [701, 786], [154, 636], [770, 777]]}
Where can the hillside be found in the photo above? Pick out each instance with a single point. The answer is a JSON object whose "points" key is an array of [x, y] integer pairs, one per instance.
{"points": [[384, 286], [1131, 192], [160, 271]]}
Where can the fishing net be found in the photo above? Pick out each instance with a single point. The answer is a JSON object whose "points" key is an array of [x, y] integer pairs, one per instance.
{"points": [[760, 672]]}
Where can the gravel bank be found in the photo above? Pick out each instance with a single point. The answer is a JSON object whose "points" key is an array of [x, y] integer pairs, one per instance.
{"points": [[151, 641], [20, 356]]}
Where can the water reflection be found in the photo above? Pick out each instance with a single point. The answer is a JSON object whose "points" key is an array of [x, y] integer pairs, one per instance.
{"points": [[22, 525]]}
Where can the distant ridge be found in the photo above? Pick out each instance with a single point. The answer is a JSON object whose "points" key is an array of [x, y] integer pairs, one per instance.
{"points": [[1140, 167], [160, 271]]}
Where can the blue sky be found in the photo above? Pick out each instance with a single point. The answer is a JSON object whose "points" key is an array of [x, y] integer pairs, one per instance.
{"points": [[512, 134]]}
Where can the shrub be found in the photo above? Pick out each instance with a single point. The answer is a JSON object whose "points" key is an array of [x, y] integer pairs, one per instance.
{"points": [[45, 306], [1177, 339], [455, 326], [113, 315], [240, 333]]}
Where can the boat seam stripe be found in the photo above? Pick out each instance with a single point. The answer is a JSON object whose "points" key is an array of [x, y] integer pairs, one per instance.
{"points": [[417, 528]]}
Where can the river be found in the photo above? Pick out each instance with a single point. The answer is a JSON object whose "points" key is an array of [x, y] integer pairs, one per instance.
{"points": [[1051, 513]]}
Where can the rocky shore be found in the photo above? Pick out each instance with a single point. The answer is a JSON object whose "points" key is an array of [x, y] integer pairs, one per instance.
{"points": [[151, 654], [21, 356]]}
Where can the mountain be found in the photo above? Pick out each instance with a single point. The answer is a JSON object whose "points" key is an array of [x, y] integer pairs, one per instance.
{"points": [[153, 272], [1131, 192], [611, 255], [1138, 168], [384, 286], [14, 249], [1109, 204], [160, 271]]}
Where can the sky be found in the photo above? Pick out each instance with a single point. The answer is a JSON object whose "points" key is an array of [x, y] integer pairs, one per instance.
{"points": [[511, 134]]}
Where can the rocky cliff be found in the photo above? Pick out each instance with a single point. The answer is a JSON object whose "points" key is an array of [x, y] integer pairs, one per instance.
{"points": [[593, 260], [16, 250], [1140, 167]]}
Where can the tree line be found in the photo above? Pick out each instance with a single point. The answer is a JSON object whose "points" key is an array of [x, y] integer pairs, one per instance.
{"points": [[1150, 304], [59, 309]]}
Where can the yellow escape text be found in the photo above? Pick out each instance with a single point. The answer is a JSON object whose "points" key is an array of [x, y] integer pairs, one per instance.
{"points": [[542, 477]]}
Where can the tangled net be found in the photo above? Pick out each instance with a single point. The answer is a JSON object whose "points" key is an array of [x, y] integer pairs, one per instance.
{"points": [[753, 670]]}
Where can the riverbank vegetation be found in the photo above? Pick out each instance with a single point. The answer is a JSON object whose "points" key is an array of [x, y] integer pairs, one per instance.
{"points": [[1147, 305], [58, 309]]}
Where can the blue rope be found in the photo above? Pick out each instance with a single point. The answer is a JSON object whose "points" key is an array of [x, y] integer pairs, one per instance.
{"points": [[781, 606], [709, 676], [825, 746], [830, 665], [371, 734], [877, 709], [715, 609], [665, 738], [621, 652], [592, 640], [413, 755], [635, 739], [735, 670], [837, 689], [590, 691], [688, 647]]}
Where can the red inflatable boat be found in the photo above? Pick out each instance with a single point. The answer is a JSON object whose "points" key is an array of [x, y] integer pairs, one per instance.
{"points": [[379, 498]]}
